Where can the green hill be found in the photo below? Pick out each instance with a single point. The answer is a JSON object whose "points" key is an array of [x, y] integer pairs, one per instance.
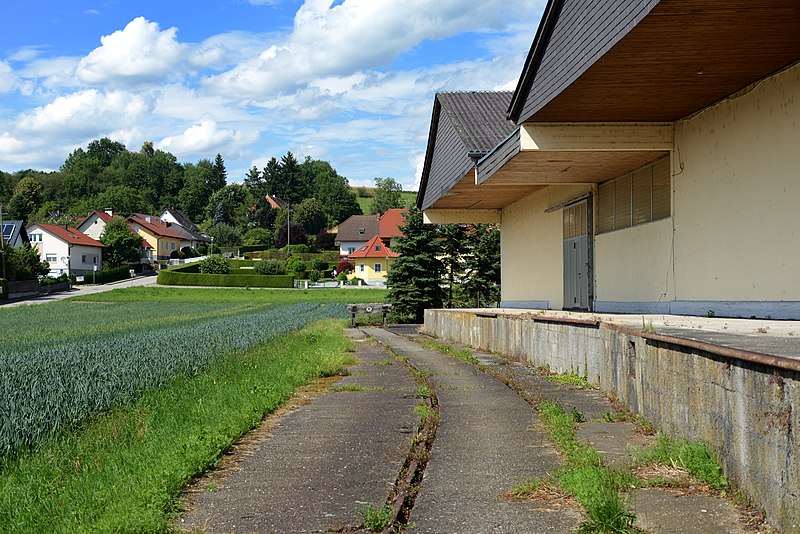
{"points": [[364, 197]]}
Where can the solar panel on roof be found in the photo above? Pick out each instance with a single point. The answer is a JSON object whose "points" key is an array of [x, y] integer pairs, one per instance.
{"points": [[8, 231]]}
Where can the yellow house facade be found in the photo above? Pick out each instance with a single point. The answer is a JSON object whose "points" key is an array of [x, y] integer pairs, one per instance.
{"points": [[163, 240], [372, 262]]}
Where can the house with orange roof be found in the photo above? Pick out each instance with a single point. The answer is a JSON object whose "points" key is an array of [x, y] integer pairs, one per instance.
{"points": [[390, 223], [66, 249], [372, 261], [157, 233]]}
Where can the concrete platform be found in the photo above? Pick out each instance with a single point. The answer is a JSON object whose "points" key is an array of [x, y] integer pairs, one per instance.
{"points": [[324, 462]]}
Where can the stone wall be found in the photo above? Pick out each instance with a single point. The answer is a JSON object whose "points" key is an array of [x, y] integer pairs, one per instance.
{"points": [[747, 411]]}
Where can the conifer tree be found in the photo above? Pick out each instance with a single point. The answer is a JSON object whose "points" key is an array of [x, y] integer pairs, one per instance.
{"points": [[415, 277]]}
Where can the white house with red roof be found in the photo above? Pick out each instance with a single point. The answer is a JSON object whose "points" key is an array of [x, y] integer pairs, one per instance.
{"points": [[95, 224], [372, 261], [66, 249]]}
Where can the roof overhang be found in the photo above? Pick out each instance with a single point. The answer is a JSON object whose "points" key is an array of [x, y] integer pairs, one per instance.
{"points": [[545, 154], [683, 56]]}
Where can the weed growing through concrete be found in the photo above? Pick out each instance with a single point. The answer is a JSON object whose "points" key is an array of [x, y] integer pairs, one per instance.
{"points": [[594, 486], [648, 328], [570, 378], [693, 456], [353, 387], [377, 519], [461, 354]]}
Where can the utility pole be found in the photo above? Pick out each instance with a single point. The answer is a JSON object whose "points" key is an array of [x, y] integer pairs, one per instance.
{"points": [[288, 232], [2, 244]]}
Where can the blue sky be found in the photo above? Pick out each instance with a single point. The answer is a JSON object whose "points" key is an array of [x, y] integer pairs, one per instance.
{"points": [[347, 81]]}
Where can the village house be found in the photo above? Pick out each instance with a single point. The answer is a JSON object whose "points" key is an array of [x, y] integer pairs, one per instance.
{"points": [[14, 233], [372, 261], [95, 223], [158, 234], [355, 231], [181, 224], [67, 250], [651, 165], [389, 225]]}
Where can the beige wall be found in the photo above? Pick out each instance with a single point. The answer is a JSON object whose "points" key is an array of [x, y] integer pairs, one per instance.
{"points": [[736, 201], [531, 247], [635, 264]]}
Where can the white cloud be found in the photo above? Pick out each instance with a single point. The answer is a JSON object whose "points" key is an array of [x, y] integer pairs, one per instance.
{"points": [[7, 77], [141, 52], [206, 137], [85, 112], [338, 40], [91, 12]]}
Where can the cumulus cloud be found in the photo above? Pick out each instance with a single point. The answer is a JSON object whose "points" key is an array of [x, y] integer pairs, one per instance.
{"points": [[339, 39], [206, 137], [139, 53], [89, 111]]}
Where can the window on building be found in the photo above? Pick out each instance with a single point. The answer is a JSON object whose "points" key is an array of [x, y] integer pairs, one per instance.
{"points": [[36, 238], [378, 267], [361, 267], [377, 248], [172, 246], [350, 250], [635, 198], [50, 258], [83, 258]]}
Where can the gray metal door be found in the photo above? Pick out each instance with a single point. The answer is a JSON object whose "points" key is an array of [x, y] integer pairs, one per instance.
{"points": [[577, 256]]}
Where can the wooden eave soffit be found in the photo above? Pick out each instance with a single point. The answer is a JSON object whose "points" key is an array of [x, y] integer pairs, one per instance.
{"points": [[460, 216], [596, 137]]}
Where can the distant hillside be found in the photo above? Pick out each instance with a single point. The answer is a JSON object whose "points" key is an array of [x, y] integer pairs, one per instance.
{"points": [[409, 197]]}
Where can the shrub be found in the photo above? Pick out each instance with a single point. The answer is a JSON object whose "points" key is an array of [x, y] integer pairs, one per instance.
{"points": [[296, 265], [341, 277], [202, 250], [319, 264], [344, 266], [356, 281], [215, 265], [48, 281], [314, 275], [324, 240], [269, 267], [189, 252]]}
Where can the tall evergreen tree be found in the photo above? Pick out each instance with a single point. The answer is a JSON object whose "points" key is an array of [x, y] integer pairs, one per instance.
{"points": [[414, 278], [454, 247], [483, 265], [219, 176]]}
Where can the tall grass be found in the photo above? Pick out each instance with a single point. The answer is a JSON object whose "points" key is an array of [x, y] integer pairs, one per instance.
{"points": [[122, 470]]}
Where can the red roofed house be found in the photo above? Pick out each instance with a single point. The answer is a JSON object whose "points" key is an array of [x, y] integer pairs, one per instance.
{"points": [[274, 201], [157, 233], [66, 249], [95, 223], [390, 223], [372, 261]]}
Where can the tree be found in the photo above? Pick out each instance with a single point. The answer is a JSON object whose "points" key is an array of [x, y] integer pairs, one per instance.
{"points": [[219, 176], [387, 195], [415, 277], [454, 246], [325, 240], [225, 235], [23, 263], [122, 200], [311, 215], [257, 236], [297, 235], [193, 198], [26, 199], [483, 265], [123, 246]]}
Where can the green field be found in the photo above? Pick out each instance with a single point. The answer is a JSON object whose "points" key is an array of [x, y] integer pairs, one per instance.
{"points": [[408, 199], [111, 403]]}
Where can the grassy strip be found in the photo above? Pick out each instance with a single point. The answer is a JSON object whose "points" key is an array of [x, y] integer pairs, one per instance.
{"points": [[594, 486], [461, 354], [124, 469]]}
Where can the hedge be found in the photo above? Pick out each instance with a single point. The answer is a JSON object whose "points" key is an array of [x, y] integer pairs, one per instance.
{"points": [[107, 275], [174, 277]]}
